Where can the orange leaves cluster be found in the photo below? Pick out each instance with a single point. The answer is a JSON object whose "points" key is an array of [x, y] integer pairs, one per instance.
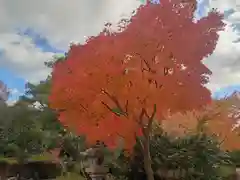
{"points": [[110, 130], [221, 120], [153, 61], [158, 41], [226, 124], [179, 124]]}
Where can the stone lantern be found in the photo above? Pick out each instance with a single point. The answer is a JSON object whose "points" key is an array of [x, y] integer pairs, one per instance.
{"points": [[95, 163], [238, 173]]}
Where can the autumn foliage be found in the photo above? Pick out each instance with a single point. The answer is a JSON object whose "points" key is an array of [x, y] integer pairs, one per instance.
{"points": [[226, 124], [220, 119], [117, 83]]}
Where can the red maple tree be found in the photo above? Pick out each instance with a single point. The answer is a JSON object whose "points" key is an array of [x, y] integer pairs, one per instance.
{"points": [[118, 83]]}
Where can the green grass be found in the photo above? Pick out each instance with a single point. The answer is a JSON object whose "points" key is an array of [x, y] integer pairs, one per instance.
{"points": [[71, 176], [38, 157], [41, 157], [8, 160], [226, 171]]}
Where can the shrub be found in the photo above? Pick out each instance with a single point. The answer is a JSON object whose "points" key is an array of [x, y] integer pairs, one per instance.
{"points": [[235, 155], [194, 156]]}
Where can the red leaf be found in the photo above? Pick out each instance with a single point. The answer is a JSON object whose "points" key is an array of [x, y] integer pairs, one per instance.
{"points": [[156, 60]]}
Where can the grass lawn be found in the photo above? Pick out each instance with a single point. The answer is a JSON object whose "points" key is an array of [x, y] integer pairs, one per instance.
{"points": [[40, 157], [226, 171], [71, 176]]}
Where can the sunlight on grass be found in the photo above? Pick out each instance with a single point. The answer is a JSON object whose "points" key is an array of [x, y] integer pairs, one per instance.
{"points": [[42, 157], [71, 176], [226, 171], [8, 160], [38, 157]]}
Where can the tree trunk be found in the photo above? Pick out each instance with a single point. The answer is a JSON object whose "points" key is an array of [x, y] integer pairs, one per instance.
{"points": [[147, 159]]}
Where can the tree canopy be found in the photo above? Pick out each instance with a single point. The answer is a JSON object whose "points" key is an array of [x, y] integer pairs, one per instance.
{"points": [[118, 83], [129, 78]]}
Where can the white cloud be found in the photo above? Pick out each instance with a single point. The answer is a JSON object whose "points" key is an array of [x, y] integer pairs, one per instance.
{"points": [[225, 61], [235, 17], [223, 5], [62, 21], [14, 91], [20, 55], [13, 96]]}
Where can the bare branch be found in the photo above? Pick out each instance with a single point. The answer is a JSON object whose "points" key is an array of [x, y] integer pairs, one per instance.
{"points": [[109, 108], [151, 119], [140, 142], [126, 107], [140, 119], [114, 99], [146, 63], [85, 109]]}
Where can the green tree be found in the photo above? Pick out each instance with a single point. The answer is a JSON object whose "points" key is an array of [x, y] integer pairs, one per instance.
{"points": [[21, 134]]}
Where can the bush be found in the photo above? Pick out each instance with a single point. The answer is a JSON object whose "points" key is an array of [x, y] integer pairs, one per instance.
{"points": [[235, 155], [195, 156]]}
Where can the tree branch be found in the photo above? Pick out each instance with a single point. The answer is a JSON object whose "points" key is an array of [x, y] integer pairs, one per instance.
{"points": [[141, 117], [148, 66], [126, 107], [85, 109], [140, 142], [151, 119], [109, 108], [114, 99]]}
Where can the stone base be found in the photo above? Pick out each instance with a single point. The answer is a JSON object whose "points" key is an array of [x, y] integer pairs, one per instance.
{"points": [[97, 172], [238, 173]]}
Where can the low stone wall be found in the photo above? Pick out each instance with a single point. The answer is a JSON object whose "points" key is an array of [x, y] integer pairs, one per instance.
{"points": [[44, 170]]}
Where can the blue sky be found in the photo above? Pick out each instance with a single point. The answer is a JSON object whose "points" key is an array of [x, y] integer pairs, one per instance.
{"points": [[39, 41], [226, 91], [11, 79], [33, 35]]}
